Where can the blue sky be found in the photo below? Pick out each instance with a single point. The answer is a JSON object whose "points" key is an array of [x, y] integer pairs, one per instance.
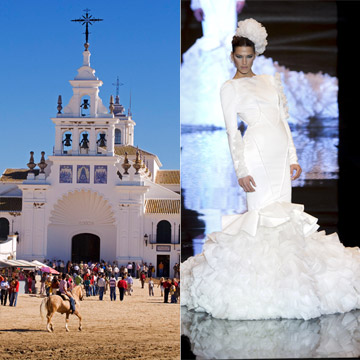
{"points": [[41, 50]]}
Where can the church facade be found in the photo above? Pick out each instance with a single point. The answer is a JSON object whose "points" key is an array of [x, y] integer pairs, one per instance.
{"points": [[97, 197]]}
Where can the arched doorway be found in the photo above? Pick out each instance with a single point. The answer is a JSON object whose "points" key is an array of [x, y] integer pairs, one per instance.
{"points": [[85, 247], [4, 228], [163, 232]]}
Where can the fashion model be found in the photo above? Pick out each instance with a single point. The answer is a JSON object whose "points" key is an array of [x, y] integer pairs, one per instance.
{"points": [[270, 262]]}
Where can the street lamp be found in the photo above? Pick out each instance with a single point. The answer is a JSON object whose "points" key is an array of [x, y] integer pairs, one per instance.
{"points": [[146, 238]]}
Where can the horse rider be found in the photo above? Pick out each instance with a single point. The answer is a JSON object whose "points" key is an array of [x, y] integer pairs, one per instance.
{"points": [[63, 288]]}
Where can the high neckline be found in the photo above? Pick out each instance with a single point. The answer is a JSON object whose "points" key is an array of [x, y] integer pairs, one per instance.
{"points": [[245, 77]]}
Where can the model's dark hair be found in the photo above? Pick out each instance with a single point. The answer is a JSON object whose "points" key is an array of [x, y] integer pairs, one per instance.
{"points": [[241, 41]]}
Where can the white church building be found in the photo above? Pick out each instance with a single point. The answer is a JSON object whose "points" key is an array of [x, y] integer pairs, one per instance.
{"points": [[97, 197]]}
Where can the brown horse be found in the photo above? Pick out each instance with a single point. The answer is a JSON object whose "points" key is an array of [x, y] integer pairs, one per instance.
{"points": [[55, 303]]}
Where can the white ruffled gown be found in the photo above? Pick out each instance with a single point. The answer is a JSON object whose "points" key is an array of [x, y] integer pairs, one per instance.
{"points": [[270, 262]]}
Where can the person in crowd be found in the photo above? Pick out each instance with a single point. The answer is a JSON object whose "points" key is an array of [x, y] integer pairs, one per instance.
{"points": [[70, 282], [87, 285], [42, 282], [14, 286], [112, 285], [176, 271], [130, 283], [55, 285], [122, 285], [109, 270], [116, 272], [177, 294], [161, 285], [101, 284], [95, 284], [78, 280], [173, 293], [129, 268], [133, 273], [48, 279], [4, 286], [33, 283], [167, 285], [151, 286], [29, 281], [76, 269], [142, 278], [68, 267], [149, 272], [107, 280], [161, 269], [138, 270]]}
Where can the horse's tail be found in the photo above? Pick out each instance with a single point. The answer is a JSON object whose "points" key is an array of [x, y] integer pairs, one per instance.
{"points": [[43, 307]]}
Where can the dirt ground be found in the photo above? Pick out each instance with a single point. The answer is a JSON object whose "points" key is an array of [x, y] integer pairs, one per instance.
{"points": [[140, 327]]}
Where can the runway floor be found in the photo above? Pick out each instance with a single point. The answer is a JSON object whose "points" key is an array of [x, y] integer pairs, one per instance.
{"points": [[330, 336]]}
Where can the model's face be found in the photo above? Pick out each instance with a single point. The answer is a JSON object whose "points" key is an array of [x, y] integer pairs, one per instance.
{"points": [[243, 58]]}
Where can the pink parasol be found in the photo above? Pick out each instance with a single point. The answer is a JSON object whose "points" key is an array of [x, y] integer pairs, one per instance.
{"points": [[48, 269]]}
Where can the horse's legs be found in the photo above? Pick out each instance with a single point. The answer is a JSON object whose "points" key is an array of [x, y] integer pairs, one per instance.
{"points": [[80, 318], [49, 325], [67, 321]]}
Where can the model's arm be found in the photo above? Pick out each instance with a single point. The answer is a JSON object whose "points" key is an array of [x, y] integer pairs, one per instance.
{"points": [[284, 114], [236, 144]]}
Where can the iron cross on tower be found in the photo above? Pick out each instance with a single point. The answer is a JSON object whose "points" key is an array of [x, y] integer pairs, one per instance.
{"points": [[117, 84], [87, 20]]}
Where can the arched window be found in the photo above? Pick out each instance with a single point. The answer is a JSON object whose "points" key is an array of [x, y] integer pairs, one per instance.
{"points": [[163, 232], [117, 136], [4, 228]]}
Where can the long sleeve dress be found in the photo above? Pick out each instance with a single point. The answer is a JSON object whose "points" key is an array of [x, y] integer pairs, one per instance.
{"points": [[270, 262]]}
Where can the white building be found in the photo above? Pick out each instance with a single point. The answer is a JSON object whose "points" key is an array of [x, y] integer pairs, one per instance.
{"points": [[81, 203]]}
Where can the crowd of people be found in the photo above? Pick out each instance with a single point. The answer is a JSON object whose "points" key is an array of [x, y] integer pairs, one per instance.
{"points": [[131, 268], [100, 278], [9, 289], [97, 279]]}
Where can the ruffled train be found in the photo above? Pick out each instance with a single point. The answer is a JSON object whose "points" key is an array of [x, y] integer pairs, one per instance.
{"points": [[269, 264]]}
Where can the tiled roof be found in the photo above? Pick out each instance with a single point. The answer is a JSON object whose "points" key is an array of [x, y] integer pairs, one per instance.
{"points": [[162, 206], [168, 177], [16, 175], [131, 150], [10, 204]]}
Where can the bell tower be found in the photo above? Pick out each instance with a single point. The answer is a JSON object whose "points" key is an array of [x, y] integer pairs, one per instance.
{"points": [[84, 126], [124, 129]]}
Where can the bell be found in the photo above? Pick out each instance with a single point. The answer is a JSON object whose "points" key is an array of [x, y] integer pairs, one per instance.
{"points": [[102, 141], [85, 104], [84, 142], [67, 140]]}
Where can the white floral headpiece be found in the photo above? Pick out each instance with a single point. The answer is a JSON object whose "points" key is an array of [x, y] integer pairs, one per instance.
{"points": [[254, 31]]}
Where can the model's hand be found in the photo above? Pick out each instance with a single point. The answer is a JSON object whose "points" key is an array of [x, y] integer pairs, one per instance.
{"points": [[239, 6], [297, 169], [247, 183], [199, 14]]}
